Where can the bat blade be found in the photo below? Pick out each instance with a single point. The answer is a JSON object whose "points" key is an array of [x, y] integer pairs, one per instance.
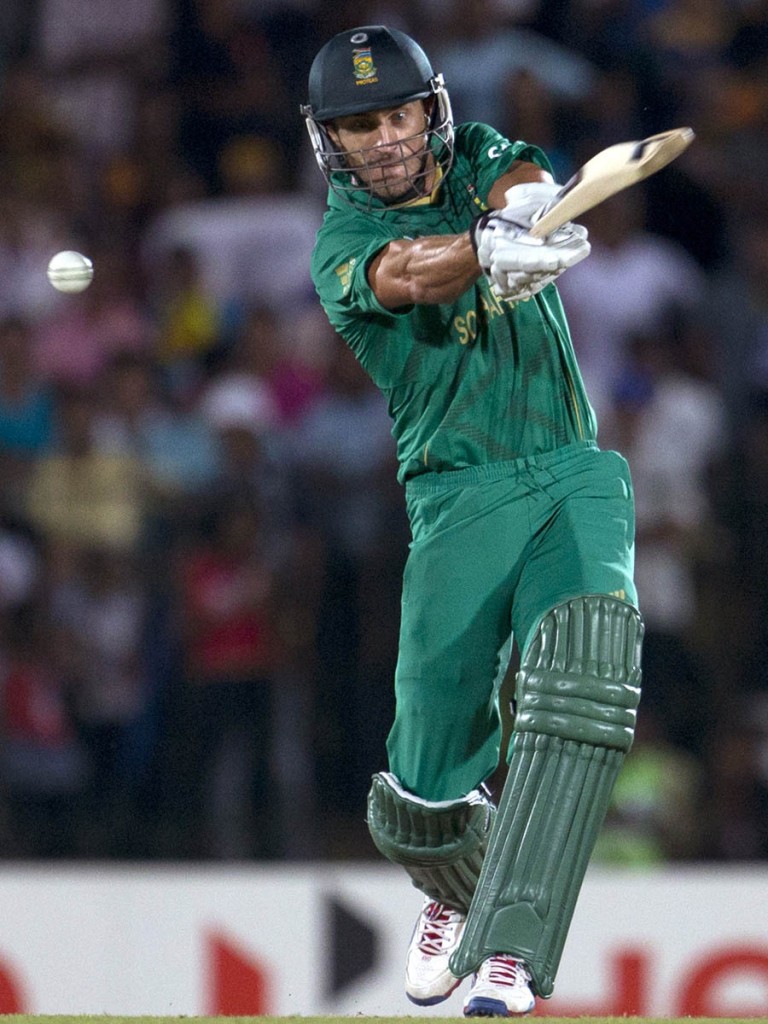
{"points": [[610, 171]]}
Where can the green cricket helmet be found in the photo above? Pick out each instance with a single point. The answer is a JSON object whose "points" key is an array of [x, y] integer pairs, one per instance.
{"points": [[375, 68]]}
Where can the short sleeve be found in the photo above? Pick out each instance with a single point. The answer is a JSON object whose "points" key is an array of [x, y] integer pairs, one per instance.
{"points": [[491, 154], [343, 253]]}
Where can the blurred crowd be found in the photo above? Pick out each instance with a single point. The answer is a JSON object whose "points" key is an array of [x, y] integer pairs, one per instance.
{"points": [[201, 535]]}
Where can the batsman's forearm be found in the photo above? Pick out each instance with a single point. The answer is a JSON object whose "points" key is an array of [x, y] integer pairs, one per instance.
{"points": [[519, 173], [424, 271]]}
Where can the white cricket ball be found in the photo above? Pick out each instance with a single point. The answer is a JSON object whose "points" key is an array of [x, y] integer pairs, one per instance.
{"points": [[70, 271]]}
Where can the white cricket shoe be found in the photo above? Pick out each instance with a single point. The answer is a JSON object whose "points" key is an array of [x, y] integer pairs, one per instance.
{"points": [[501, 988], [428, 979]]}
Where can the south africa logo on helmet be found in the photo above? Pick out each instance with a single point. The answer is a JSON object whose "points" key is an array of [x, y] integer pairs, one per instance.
{"points": [[362, 61]]}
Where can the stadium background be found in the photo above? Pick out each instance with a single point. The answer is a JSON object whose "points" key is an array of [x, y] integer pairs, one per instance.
{"points": [[201, 537]]}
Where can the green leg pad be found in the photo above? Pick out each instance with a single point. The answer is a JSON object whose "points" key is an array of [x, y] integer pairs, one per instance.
{"points": [[577, 693], [440, 844]]}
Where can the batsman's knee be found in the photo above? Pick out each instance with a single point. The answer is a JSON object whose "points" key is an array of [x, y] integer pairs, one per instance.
{"points": [[579, 678]]}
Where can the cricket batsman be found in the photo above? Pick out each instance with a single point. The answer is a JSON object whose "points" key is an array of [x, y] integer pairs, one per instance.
{"points": [[522, 528]]}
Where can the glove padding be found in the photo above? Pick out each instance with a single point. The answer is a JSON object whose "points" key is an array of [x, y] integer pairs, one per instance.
{"points": [[517, 264], [524, 203], [510, 272]]}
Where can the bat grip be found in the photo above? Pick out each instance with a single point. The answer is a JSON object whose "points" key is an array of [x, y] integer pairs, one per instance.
{"points": [[550, 224]]}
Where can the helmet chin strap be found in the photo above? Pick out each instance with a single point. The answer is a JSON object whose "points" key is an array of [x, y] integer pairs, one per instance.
{"points": [[418, 183]]}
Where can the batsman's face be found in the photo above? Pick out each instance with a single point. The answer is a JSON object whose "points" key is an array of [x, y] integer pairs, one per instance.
{"points": [[388, 149]]}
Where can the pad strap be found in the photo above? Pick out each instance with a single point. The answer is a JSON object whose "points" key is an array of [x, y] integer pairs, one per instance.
{"points": [[578, 690], [441, 844]]}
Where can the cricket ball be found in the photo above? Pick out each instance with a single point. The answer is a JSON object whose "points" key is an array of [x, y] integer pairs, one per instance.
{"points": [[70, 271]]}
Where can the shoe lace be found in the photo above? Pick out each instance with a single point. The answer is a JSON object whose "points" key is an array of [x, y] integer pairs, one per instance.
{"points": [[506, 970], [438, 922]]}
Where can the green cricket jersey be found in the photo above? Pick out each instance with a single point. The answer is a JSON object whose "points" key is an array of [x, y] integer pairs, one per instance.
{"points": [[472, 382]]}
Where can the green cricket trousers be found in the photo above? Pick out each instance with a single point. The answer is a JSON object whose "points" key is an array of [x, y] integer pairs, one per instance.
{"points": [[494, 548]]}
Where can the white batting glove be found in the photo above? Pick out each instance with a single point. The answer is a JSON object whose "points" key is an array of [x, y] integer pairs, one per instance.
{"points": [[523, 203], [520, 287], [568, 245], [519, 265]]}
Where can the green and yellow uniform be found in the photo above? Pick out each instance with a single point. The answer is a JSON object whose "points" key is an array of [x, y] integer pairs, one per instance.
{"points": [[513, 507], [470, 382]]}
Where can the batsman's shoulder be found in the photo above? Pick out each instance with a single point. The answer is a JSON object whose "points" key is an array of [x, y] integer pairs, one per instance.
{"points": [[485, 147], [349, 232]]}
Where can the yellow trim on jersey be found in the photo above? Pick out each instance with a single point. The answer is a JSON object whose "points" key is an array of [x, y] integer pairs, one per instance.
{"points": [[574, 399], [424, 200]]}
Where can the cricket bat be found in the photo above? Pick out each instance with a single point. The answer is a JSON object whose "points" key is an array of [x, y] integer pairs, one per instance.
{"points": [[607, 173]]}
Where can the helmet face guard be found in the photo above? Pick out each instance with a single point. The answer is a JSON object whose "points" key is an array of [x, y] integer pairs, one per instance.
{"points": [[342, 168], [376, 68]]}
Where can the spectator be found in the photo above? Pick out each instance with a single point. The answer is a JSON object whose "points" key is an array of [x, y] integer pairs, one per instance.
{"points": [[176, 449], [345, 453], [229, 83], [738, 808], [744, 507], [630, 284], [36, 143], [190, 321], [99, 54], [99, 610], [80, 495], [21, 565], [735, 307], [230, 650], [30, 234], [691, 34], [658, 805], [482, 51], [256, 469], [44, 767], [267, 348], [240, 408], [26, 410], [672, 429], [254, 465], [534, 111], [252, 250]]}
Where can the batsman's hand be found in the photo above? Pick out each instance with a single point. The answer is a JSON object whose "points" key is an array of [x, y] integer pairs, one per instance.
{"points": [[517, 264], [524, 203]]}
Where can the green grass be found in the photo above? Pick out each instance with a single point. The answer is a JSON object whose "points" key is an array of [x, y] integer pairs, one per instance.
{"points": [[106, 1019]]}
